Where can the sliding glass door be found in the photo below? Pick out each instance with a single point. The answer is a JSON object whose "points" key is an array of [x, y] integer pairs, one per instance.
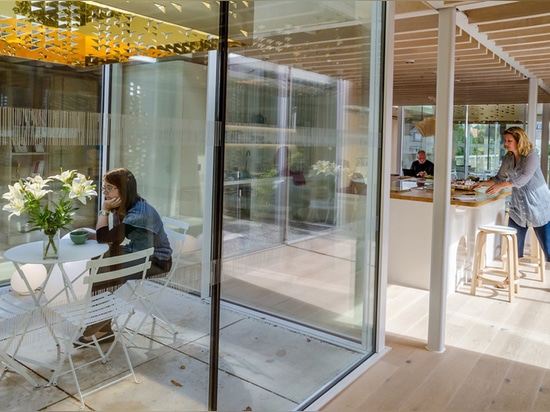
{"points": [[302, 165]]}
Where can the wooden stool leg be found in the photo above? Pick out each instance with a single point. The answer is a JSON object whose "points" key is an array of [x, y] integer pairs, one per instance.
{"points": [[504, 249], [479, 258], [516, 262], [511, 264], [482, 258]]}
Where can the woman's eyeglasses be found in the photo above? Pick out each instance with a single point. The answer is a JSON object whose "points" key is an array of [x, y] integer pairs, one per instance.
{"points": [[108, 188]]}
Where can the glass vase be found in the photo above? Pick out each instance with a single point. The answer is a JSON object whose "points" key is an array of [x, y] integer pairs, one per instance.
{"points": [[50, 242]]}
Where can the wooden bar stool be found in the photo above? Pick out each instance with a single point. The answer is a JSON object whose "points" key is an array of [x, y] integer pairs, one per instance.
{"points": [[534, 256], [493, 275]]}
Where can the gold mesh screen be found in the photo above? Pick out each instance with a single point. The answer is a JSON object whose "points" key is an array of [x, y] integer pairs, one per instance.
{"points": [[84, 34]]}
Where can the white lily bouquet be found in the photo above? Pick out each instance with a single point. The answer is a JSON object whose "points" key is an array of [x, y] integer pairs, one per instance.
{"points": [[325, 167], [46, 212]]}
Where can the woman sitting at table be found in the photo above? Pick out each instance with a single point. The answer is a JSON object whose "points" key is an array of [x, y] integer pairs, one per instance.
{"points": [[126, 214]]}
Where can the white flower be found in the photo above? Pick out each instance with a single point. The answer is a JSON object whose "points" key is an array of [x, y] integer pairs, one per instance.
{"points": [[38, 180], [325, 167], [35, 186], [16, 198], [15, 207], [16, 192], [81, 188], [45, 212], [65, 176]]}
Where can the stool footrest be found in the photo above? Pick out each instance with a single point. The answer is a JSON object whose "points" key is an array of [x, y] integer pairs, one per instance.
{"points": [[495, 271]]}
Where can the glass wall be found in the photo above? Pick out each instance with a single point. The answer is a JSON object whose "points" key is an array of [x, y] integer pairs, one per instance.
{"points": [[298, 158], [482, 145], [415, 136], [49, 117], [301, 170], [477, 136], [299, 242]]}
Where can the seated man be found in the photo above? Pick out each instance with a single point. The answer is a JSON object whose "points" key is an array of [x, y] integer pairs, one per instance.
{"points": [[422, 167]]}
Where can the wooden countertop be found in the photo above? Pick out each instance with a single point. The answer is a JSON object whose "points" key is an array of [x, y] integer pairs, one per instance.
{"points": [[426, 195]]}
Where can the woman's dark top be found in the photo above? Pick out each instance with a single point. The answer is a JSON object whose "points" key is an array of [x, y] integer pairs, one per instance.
{"points": [[143, 227]]}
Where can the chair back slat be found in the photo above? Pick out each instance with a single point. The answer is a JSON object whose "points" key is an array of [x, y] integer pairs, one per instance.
{"points": [[177, 241], [177, 233], [170, 222], [131, 263]]}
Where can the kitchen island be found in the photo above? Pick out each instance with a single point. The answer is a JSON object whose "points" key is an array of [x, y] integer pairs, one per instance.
{"points": [[411, 232]]}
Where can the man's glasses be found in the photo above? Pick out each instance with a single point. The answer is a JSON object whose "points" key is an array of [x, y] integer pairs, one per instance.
{"points": [[108, 188]]}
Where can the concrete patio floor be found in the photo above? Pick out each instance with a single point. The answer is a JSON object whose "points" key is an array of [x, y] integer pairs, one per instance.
{"points": [[263, 366]]}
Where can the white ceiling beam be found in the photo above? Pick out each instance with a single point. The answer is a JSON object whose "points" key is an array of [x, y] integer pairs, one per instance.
{"points": [[462, 22]]}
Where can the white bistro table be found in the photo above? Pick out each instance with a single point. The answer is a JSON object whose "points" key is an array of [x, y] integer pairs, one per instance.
{"points": [[68, 252], [33, 253]]}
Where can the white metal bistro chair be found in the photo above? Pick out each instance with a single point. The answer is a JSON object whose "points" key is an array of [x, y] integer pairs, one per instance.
{"points": [[148, 293], [73, 317], [15, 318]]}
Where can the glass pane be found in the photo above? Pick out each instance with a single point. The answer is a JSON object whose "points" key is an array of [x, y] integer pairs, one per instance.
{"points": [[49, 123], [477, 136], [418, 134], [300, 150], [159, 134]]}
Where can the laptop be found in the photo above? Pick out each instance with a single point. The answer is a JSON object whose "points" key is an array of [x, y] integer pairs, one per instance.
{"points": [[408, 172]]}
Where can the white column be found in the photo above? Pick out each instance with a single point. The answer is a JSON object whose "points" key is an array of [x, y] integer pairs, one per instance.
{"points": [[442, 179], [544, 139], [385, 178], [532, 108]]}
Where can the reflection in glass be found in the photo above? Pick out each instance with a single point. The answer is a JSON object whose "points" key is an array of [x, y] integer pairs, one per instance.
{"points": [[298, 158]]}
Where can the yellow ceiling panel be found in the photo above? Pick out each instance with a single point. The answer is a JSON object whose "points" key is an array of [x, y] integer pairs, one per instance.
{"points": [[86, 34]]}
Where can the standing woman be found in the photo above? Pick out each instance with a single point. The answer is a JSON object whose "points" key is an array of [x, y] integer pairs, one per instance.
{"points": [[126, 215], [530, 202]]}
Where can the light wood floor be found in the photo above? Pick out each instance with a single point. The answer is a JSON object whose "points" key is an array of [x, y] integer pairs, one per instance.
{"points": [[497, 354]]}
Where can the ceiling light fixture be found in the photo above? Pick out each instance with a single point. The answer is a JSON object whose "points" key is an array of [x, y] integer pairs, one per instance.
{"points": [[143, 59]]}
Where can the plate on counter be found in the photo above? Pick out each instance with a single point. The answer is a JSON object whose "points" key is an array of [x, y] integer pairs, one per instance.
{"points": [[463, 187]]}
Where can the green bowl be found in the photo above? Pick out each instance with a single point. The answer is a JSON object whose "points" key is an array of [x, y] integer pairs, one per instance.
{"points": [[79, 236]]}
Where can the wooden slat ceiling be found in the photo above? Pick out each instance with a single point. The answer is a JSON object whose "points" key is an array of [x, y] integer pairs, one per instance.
{"points": [[499, 46]]}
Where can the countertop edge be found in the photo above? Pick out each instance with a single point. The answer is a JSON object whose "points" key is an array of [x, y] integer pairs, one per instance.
{"points": [[428, 198]]}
